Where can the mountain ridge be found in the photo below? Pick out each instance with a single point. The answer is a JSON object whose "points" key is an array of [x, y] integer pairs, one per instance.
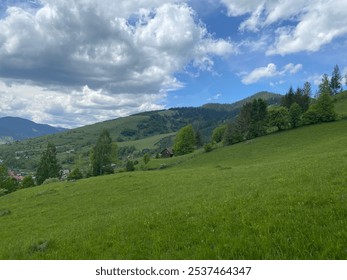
{"points": [[17, 128]]}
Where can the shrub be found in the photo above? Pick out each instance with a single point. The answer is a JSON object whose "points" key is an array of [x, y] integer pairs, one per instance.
{"points": [[208, 147], [75, 174], [130, 166], [28, 182]]}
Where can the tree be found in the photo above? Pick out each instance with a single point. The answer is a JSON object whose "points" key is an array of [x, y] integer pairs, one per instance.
{"points": [[101, 155], [279, 116], [288, 99], [7, 184], [301, 97], [321, 111], [324, 86], [307, 91], [48, 166], [217, 134], [295, 112], [252, 119], [325, 108], [146, 158], [336, 81], [258, 118], [232, 134], [184, 141]]}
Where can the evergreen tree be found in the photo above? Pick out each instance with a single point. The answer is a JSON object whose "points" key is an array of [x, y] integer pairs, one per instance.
{"points": [[307, 91], [324, 86], [325, 108], [258, 118], [184, 141], [336, 81], [101, 155], [288, 99], [48, 166], [252, 119]]}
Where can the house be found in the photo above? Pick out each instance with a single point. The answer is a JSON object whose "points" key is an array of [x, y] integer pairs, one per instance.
{"points": [[166, 153]]}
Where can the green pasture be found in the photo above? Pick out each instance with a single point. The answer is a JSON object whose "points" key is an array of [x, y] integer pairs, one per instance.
{"points": [[282, 196]]}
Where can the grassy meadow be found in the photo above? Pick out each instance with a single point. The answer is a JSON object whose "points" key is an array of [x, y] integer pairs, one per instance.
{"points": [[282, 196]]}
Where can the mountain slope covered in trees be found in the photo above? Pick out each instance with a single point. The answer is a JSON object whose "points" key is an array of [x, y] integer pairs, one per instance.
{"points": [[129, 132]]}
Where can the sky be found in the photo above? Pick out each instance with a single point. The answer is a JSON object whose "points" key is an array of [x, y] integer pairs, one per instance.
{"points": [[70, 63]]}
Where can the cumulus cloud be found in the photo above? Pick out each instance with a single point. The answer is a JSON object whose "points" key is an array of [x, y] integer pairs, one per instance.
{"points": [[118, 50], [83, 106], [313, 23], [268, 72]]}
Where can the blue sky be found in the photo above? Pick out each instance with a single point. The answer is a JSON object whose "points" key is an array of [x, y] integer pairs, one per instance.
{"points": [[72, 63]]}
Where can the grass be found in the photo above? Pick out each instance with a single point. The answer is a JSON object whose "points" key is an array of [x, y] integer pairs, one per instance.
{"points": [[283, 196]]}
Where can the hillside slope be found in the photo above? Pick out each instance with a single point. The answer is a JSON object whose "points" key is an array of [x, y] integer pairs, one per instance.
{"points": [[159, 126], [282, 196]]}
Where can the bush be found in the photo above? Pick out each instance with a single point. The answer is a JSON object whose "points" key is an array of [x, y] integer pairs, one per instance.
{"points": [[208, 147], [28, 182], [130, 166], [75, 174]]}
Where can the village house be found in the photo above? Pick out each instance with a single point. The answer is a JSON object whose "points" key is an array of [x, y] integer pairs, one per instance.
{"points": [[166, 153]]}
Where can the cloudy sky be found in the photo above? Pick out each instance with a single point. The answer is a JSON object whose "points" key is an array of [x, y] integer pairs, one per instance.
{"points": [[74, 62]]}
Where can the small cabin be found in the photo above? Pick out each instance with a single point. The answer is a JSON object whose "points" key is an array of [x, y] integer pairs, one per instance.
{"points": [[166, 153]]}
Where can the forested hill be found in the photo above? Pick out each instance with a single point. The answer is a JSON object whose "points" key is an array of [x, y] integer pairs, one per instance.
{"points": [[156, 128], [270, 98]]}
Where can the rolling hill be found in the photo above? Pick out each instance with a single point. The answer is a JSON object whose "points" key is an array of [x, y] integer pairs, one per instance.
{"points": [[281, 196], [149, 131]]}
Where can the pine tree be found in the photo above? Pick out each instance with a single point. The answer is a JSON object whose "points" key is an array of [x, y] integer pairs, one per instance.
{"points": [[336, 81], [48, 166], [288, 99], [324, 86]]}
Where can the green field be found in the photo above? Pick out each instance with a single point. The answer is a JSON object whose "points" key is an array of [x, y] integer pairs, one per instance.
{"points": [[282, 196]]}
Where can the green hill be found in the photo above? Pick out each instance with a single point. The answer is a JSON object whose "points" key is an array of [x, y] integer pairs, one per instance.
{"points": [[149, 131], [282, 196]]}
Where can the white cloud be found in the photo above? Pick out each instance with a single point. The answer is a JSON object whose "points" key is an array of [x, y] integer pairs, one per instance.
{"points": [[311, 23], [119, 50], [70, 109], [215, 97], [268, 72]]}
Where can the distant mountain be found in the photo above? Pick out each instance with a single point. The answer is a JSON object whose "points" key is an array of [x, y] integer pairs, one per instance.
{"points": [[19, 129], [270, 98]]}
